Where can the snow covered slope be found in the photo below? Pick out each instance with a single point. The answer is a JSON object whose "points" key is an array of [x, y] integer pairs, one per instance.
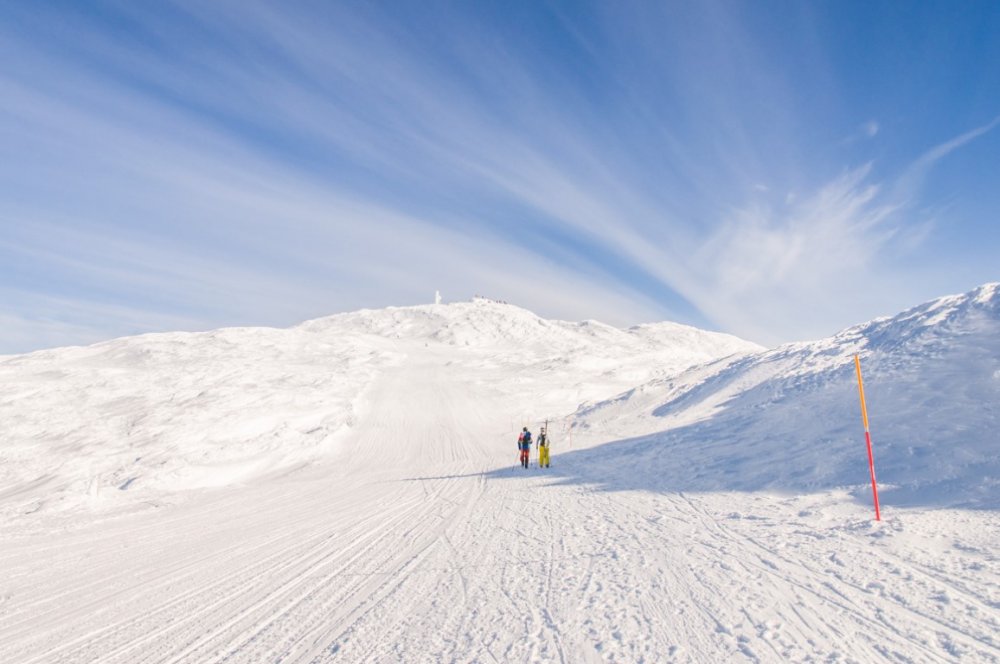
{"points": [[789, 419], [134, 419], [346, 491]]}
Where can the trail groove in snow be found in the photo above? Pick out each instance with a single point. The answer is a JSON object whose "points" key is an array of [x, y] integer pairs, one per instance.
{"points": [[403, 530]]}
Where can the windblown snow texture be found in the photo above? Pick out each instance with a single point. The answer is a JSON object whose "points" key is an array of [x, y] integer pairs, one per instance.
{"points": [[348, 491], [789, 419], [160, 413]]}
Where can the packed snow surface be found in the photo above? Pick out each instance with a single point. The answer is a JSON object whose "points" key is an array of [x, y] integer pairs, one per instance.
{"points": [[347, 491]]}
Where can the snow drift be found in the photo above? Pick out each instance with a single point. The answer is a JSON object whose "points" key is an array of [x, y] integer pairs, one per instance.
{"points": [[371, 510], [137, 418], [788, 419]]}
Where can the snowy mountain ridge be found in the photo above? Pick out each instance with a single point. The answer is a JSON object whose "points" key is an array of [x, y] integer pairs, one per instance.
{"points": [[484, 323], [134, 418], [789, 418]]}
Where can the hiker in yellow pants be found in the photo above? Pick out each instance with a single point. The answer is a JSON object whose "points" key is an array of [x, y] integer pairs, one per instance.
{"points": [[543, 450]]}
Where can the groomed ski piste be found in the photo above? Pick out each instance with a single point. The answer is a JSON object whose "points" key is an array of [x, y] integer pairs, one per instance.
{"points": [[348, 490]]}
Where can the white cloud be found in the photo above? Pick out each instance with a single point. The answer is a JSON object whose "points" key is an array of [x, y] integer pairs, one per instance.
{"points": [[814, 266], [335, 166], [64, 321], [944, 149], [795, 269]]}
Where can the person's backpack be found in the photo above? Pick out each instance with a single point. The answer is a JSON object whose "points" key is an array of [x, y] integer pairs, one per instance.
{"points": [[527, 438]]}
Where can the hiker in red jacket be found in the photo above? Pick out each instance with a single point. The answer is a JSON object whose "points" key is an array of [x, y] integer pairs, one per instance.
{"points": [[524, 444]]}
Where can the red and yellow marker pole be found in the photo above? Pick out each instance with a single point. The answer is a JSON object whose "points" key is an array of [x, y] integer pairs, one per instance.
{"points": [[868, 436]]}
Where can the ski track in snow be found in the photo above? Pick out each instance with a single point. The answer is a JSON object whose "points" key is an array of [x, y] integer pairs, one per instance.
{"points": [[418, 540]]}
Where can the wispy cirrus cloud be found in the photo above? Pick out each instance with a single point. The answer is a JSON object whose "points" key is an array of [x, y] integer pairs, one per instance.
{"points": [[779, 261], [910, 181], [788, 263], [248, 163]]}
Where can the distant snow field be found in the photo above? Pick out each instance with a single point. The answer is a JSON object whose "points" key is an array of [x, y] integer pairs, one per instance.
{"points": [[347, 491]]}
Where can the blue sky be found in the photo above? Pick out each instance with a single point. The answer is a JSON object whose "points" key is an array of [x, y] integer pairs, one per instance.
{"points": [[778, 170]]}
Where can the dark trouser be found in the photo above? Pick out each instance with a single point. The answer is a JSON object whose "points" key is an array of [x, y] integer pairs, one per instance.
{"points": [[524, 457]]}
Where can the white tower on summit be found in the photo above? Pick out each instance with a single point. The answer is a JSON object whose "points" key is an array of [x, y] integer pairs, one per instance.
{"points": [[437, 297]]}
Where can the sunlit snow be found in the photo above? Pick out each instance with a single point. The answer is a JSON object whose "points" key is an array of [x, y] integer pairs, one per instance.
{"points": [[347, 490]]}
